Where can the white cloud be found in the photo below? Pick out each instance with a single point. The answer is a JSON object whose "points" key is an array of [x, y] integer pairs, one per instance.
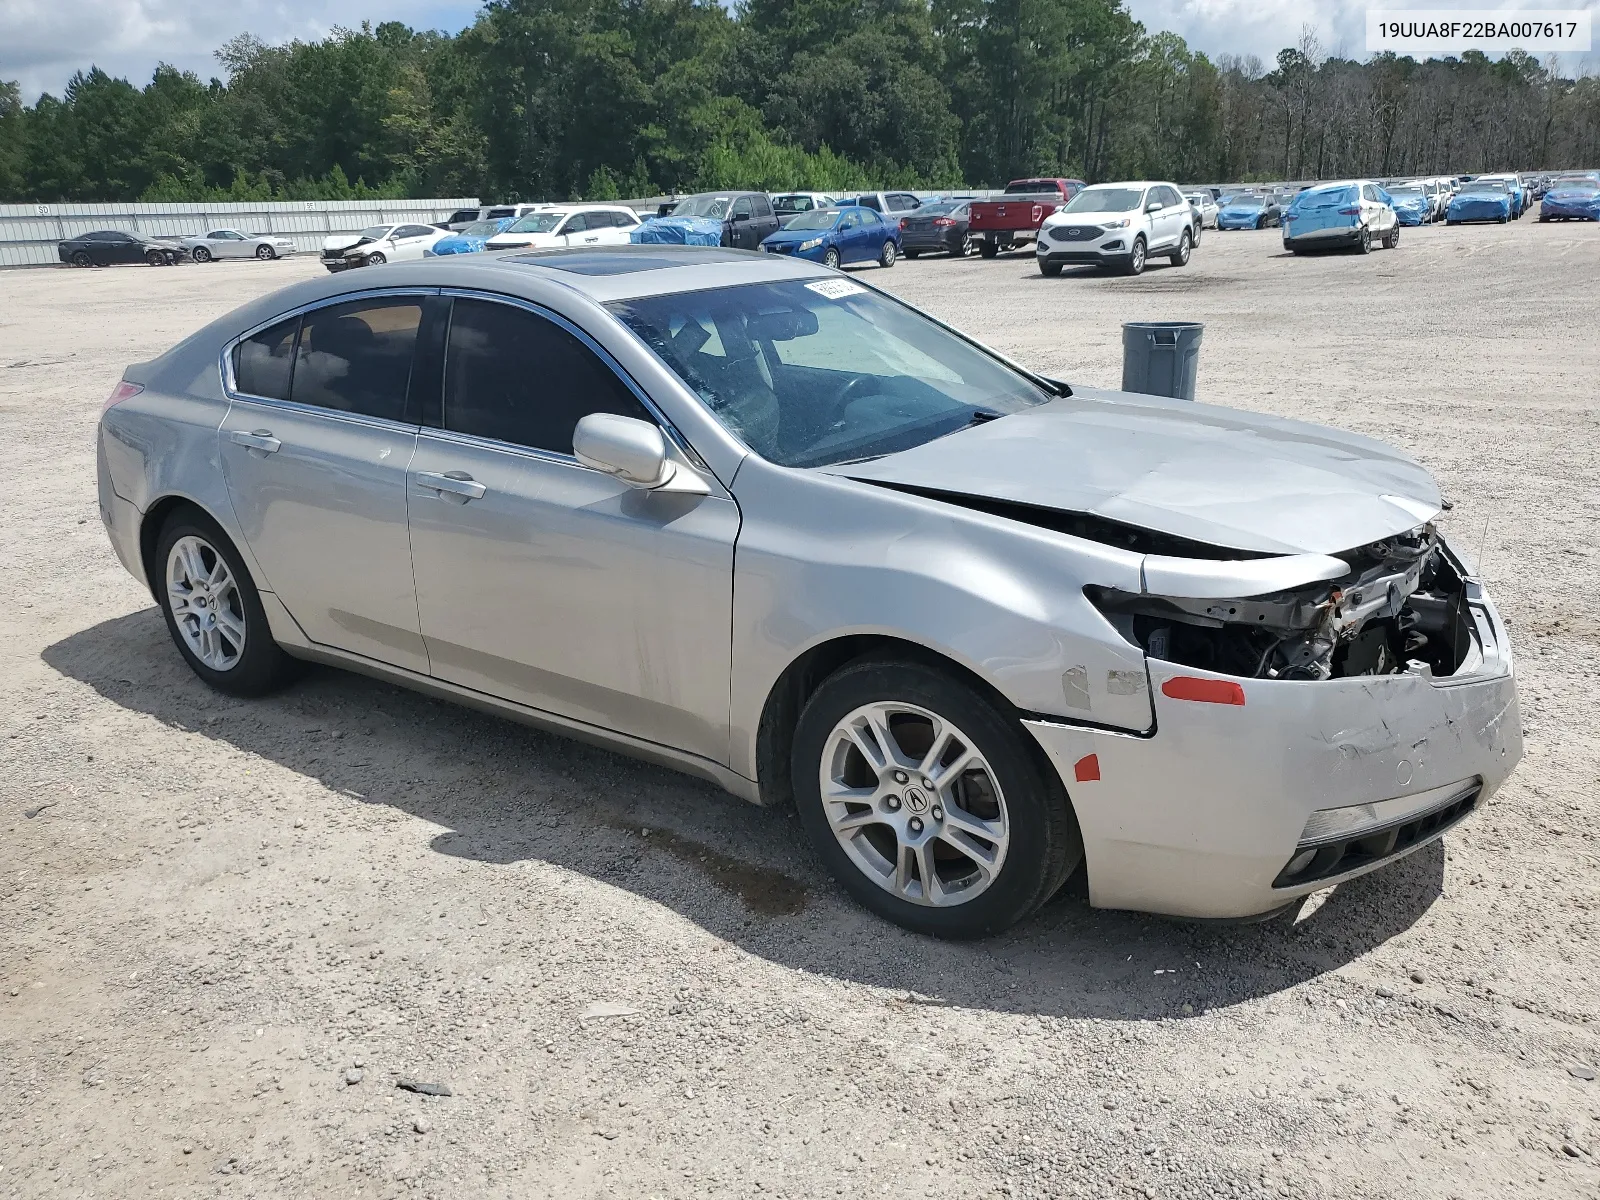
{"points": [[42, 42]]}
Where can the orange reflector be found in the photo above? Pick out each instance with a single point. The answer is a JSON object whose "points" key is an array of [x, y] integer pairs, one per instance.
{"points": [[1087, 768], [1207, 691]]}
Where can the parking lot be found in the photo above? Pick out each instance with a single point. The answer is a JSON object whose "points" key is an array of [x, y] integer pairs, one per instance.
{"points": [[230, 928]]}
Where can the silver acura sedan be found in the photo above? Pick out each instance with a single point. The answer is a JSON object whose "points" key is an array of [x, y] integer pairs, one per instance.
{"points": [[743, 516]]}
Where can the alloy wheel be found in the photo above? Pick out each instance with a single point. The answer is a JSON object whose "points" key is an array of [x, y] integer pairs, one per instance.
{"points": [[830, 258], [202, 255], [205, 602], [914, 804], [265, 253]]}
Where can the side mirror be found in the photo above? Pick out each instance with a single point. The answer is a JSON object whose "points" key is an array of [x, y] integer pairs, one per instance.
{"points": [[741, 216], [632, 450], [1154, 206]]}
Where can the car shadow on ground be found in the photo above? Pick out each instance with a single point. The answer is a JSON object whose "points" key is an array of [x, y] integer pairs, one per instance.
{"points": [[505, 793]]}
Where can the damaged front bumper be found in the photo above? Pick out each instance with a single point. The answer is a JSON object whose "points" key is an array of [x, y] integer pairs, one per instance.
{"points": [[1252, 792]]}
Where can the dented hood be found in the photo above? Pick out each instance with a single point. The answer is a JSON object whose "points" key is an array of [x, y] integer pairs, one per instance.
{"points": [[1215, 475]]}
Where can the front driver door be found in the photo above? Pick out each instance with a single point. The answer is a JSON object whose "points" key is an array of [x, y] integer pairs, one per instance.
{"points": [[744, 229], [542, 581]]}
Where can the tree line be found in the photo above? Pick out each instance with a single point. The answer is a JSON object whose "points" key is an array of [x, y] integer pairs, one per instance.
{"points": [[600, 99]]}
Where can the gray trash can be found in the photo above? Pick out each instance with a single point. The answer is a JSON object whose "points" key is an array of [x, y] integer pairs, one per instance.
{"points": [[1161, 358]]}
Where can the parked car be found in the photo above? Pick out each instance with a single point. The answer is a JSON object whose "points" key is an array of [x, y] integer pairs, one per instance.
{"points": [[569, 225], [470, 239], [1571, 200], [1013, 220], [789, 204], [1412, 204], [1246, 210], [106, 247], [747, 217], [230, 243], [937, 225], [1480, 200], [459, 220], [379, 244], [743, 517], [836, 236], [1349, 214], [1118, 226], [1205, 205], [887, 203]]}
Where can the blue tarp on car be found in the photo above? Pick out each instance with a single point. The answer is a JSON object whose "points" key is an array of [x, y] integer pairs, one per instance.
{"points": [[678, 231]]}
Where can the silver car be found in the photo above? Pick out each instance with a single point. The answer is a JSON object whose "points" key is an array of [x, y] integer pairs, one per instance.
{"points": [[746, 517], [230, 243]]}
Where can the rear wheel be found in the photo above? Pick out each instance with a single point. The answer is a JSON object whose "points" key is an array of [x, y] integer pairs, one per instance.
{"points": [[830, 258], [1180, 256], [1391, 240], [266, 253], [1136, 257], [929, 804], [202, 255], [213, 610], [888, 254], [1364, 241], [988, 249], [912, 253]]}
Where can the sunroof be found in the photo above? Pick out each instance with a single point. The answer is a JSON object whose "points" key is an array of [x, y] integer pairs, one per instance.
{"points": [[625, 262]]}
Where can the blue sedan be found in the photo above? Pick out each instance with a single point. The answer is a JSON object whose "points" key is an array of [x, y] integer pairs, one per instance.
{"points": [[839, 235], [1248, 212], [470, 240], [1411, 205], [1489, 201], [1571, 200]]}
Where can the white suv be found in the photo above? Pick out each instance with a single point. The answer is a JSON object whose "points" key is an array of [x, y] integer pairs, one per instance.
{"points": [[569, 225], [1118, 225]]}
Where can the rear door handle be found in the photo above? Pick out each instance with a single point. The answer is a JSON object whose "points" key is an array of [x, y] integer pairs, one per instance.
{"points": [[259, 439], [455, 486]]}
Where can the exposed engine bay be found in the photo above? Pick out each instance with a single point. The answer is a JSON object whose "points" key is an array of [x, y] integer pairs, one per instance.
{"points": [[1401, 607]]}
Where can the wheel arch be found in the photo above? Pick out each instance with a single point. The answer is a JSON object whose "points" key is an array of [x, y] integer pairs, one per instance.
{"points": [[155, 519], [796, 684]]}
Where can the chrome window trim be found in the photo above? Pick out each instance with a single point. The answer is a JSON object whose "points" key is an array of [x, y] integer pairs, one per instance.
{"points": [[669, 430]]}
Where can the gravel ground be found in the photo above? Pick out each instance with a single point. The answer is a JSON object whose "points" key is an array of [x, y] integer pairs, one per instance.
{"points": [[232, 929]]}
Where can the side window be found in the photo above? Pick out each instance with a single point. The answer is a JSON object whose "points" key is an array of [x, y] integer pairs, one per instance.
{"points": [[463, 215], [576, 223], [261, 363], [518, 377], [852, 220], [624, 220], [871, 202], [1368, 192], [763, 208], [741, 207], [495, 212], [411, 231], [356, 357]]}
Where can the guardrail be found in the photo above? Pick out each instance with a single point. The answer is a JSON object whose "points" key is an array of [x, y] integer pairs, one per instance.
{"points": [[29, 232]]}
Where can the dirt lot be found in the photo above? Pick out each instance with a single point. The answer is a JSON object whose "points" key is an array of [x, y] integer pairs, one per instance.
{"points": [[229, 928]]}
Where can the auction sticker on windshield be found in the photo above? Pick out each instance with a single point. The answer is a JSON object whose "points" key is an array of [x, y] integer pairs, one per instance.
{"points": [[836, 289], [1493, 31]]}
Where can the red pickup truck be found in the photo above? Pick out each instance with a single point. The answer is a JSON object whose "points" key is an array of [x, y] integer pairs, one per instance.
{"points": [[1013, 220]]}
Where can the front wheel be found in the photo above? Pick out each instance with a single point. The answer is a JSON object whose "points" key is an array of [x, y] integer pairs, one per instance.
{"points": [[1136, 257], [213, 610], [888, 254], [928, 804], [155, 258], [830, 258], [1049, 269], [202, 255], [266, 253], [81, 259], [1180, 256], [376, 259]]}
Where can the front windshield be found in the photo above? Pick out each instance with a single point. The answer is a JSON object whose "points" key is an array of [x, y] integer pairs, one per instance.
{"points": [[481, 229], [817, 218], [713, 208], [539, 222], [809, 374], [1104, 200], [1242, 202], [377, 232]]}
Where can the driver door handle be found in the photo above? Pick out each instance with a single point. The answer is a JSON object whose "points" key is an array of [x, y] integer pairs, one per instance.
{"points": [[456, 486], [260, 439]]}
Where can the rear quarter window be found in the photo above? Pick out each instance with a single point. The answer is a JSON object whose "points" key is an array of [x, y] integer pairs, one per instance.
{"points": [[263, 362]]}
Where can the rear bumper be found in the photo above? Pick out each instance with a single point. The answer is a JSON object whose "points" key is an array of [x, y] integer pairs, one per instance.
{"points": [[918, 240], [1005, 237], [120, 517], [1233, 811]]}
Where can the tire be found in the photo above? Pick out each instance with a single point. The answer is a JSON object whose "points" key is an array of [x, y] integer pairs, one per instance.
{"points": [[202, 255], [1449, 220], [1014, 793], [1050, 269], [1503, 220], [256, 667], [913, 253], [1391, 240], [888, 254], [988, 249], [1364, 242], [1180, 256], [1261, 222], [266, 253], [376, 259], [1136, 257], [81, 258], [155, 258], [830, 258]]}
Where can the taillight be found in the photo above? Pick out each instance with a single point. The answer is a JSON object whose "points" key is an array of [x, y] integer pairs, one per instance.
{"points": [[944, 221], [123, 391], [1350, 212], [902, 222]]}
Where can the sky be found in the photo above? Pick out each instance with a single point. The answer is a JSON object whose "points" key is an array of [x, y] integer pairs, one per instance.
{"points": [[42, 42]]}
